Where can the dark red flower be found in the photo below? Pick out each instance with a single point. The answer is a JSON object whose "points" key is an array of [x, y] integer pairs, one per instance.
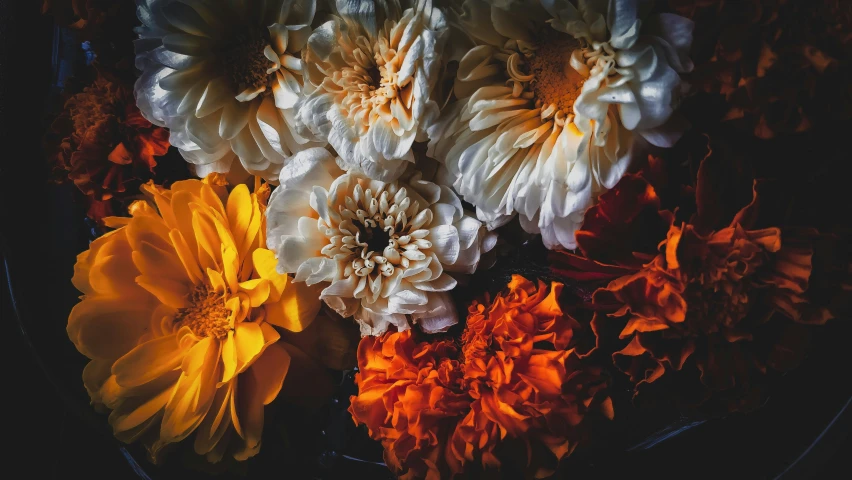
{"points": [[101, 142], [711, 304]]}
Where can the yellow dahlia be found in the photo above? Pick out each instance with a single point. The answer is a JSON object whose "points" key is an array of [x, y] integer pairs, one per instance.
{"points": [[177, 316]]}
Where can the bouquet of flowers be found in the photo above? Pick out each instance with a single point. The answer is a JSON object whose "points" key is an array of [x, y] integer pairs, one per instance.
{"points": [[477, 224]]}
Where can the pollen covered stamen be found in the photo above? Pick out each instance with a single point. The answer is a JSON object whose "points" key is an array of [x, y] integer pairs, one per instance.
{"points": [[246, 64], [555, 82], [207, 315]]}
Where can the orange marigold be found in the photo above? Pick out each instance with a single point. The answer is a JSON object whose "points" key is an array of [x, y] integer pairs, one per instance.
{"points": [[510, 386], [101, 141], [719, 300]]}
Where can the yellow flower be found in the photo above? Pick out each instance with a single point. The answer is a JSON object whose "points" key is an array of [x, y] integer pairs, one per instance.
{"points": [[176, 315]]}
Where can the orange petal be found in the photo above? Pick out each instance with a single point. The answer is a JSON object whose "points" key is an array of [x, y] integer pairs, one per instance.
{"points": [[169, 292], [148, 361], [297, 308], [107, 328], [264, 264], [257, 290]]}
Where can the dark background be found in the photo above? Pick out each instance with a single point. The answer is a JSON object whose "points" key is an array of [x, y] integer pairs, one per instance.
{"points": [[53, 436]]}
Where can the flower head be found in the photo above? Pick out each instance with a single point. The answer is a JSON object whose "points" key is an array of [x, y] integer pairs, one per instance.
{"points": [[371, 71], [444, 408], [101, 142], [224, 79], [717, 303], [549, 101], [176, 316], [382, 250]]}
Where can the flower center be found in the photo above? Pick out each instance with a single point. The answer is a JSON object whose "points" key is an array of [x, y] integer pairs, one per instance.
{"points": [[375, 77], [245, 64], [92, 107], [378, 233], [206, 316], [555, 82], [375, 238]]}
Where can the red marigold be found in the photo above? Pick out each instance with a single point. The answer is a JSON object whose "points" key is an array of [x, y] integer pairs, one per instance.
{"points": [[443, 407], [101, 141], [717, 305]]}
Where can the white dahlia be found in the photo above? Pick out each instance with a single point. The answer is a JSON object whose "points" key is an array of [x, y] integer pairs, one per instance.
{"points": [[370, 74], [550, 100], [384, 249], [223, 76]]}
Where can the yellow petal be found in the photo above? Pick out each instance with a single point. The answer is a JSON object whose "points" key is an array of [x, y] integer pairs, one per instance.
{"points": [[297, 307], [186, 256], [216, 281], [209, 243], [158, 263], [150, 230], [95, 374], [239, 214], [264, 264], [183, 217], [193, 393], [213, 428], [169, 292], [229, 359], [126, 418], [211, 198], [257, 289], [107, 328], [261, 386], [248, 337], [148, 361], [230, 267]]}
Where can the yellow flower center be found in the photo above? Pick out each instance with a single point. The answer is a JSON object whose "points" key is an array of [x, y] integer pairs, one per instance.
{"points": [[245, 64], [206, 316], [555, 81]]}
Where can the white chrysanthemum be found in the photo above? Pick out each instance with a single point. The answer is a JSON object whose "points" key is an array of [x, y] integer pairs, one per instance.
{"points": [[223, 76], [370, 72], [550, 99], [383, 248]]}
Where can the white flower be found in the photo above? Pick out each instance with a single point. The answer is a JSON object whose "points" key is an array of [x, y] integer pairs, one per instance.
{"points": [[383, 248], [550, 99], [223, 76], [370, 73]]}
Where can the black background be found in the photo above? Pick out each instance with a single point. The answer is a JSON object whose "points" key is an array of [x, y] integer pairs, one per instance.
{"points": [[48, 436]]}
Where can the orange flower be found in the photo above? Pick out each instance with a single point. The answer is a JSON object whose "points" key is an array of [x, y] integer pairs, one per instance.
{"points": [[443, 408], [724, 299], [176, 315], [707, 299], [101, 141]]}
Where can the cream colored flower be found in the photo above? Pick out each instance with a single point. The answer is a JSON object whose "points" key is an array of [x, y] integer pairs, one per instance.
{"points": [[224, 77], [370, 73], [383, 250], [551, 98]]}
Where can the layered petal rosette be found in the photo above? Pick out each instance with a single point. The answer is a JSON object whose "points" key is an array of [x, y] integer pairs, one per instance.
{"points": [[371, 71], [176, 316], [383, 251], [550, 100], [705, 311], [509, 388], [224, 77], [102, 143]]}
